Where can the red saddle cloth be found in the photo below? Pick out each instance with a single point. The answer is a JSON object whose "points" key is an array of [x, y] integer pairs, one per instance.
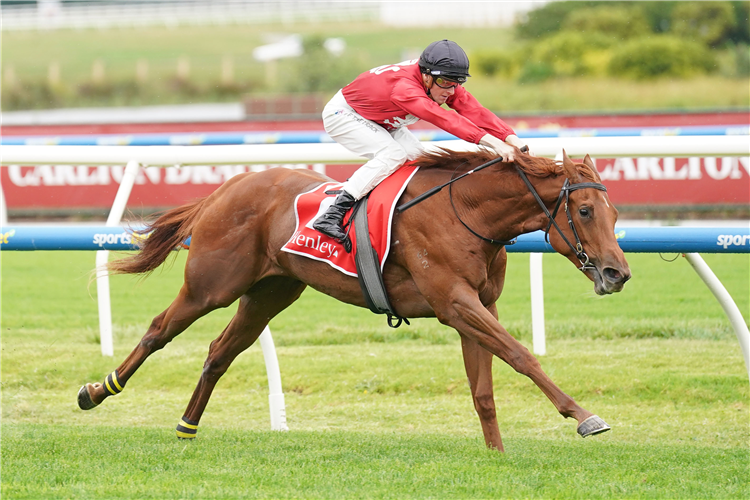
{"points": [[308, 206]]}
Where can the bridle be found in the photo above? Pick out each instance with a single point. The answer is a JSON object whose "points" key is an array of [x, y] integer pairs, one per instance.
{"points": [[565, 191]]}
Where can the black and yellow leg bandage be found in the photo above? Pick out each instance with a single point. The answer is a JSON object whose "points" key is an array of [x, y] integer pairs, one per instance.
{"points": [[187, 429], [112, 384]]}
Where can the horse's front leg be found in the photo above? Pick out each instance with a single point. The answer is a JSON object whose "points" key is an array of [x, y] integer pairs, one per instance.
{"points": [[464, 311], [478, 364]]}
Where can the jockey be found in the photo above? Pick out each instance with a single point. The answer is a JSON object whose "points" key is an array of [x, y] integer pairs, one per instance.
{"points": [[369, 117]]}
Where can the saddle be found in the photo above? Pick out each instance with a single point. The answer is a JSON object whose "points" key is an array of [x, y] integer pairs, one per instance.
{"points": [[368, 259]]}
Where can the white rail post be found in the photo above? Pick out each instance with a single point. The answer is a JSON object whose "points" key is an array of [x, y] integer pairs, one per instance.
{"points": [[275, 394], [727, 303], [536, 280], [102, 276], [537, 303], [3, 208], [104, 306]]}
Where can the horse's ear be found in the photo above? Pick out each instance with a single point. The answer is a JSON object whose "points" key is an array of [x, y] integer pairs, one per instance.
{"points": [[590, 163], [571, 172]]}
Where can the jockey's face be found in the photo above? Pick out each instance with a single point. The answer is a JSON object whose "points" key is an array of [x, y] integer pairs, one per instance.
{"points": [[439, 93]]}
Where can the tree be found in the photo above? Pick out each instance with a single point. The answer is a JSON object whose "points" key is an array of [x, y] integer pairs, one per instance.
{"points": [[709, 22]]}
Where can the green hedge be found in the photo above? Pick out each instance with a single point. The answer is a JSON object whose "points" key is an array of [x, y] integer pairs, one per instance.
{"points": [[715, 23], [637, 40], [618, 22], [709, 22], [568, 54], [661, 56]]}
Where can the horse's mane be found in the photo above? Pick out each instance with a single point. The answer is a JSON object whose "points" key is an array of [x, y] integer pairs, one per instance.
{"points": [[535, 166]]}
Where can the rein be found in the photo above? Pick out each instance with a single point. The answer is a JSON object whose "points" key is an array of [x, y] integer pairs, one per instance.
{"points": [[437, 189], [483, 238], [565, 191]]}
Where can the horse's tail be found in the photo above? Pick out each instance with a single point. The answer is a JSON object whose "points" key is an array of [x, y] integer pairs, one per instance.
{"points": [[159, 238]]}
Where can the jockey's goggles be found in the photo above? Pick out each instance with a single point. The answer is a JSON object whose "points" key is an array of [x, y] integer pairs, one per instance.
{"points": [[444, 83]]}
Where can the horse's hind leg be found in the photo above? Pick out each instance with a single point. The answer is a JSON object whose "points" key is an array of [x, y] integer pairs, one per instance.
{"points": [[256, 308], [183, 311], [478, 364]]}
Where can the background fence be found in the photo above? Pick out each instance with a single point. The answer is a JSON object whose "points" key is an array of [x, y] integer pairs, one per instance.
{"points": [[56, 14], [172, 13]]}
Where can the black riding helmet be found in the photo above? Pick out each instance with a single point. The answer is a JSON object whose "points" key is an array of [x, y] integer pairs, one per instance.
{"points": [[445, 58]]}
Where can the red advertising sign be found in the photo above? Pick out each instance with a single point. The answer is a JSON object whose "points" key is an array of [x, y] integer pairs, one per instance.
{"points": [[677, 181], [686, 182], [630, 181]]}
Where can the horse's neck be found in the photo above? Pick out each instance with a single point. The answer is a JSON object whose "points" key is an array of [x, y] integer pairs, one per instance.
{"points": [[513, 210]]}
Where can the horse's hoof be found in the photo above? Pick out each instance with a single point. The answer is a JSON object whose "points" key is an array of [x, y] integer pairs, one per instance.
{"points": [[592, 425], [187, 429], [84, 399]]}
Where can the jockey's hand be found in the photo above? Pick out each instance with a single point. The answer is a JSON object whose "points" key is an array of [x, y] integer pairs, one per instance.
{"points": [[513, 140], [505, 150]]}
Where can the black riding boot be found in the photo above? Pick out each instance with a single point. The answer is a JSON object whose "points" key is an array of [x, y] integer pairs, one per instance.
{"points": [[332, 221]]}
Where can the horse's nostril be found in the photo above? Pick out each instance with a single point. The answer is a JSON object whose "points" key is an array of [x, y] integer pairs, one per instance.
{"points": [[615, 276]]}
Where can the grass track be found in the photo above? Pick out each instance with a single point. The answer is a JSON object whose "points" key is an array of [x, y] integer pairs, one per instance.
{"points": [[146, 463], [375, 412]]}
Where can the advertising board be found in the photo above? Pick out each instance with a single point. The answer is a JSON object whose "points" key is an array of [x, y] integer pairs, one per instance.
{"points": [[632, 182]]}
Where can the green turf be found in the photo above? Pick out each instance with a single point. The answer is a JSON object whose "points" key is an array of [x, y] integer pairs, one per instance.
{"points": [[376, 412], [664, 299], [147, 463]]}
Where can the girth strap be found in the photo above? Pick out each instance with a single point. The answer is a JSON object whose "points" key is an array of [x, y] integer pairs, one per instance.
{"points": [[368, 269]]}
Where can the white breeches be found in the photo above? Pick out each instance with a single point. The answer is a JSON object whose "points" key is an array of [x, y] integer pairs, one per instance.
{"points": [[387, 151]]}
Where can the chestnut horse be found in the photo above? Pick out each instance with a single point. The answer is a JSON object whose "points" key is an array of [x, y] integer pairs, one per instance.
{"points": [[436, 267]]}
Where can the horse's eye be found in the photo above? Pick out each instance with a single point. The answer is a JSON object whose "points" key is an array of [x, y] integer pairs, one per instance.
{"points": [[584, 212]]}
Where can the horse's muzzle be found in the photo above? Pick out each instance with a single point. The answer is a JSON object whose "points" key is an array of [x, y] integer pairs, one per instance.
{"points": [[609, 280]]}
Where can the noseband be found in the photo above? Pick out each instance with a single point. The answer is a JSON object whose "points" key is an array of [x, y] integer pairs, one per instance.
{"points": [[565, 191]]}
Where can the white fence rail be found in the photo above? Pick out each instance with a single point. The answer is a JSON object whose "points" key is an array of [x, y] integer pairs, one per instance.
{"points": [[172, 13], [81, 14], [606, 147]]}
